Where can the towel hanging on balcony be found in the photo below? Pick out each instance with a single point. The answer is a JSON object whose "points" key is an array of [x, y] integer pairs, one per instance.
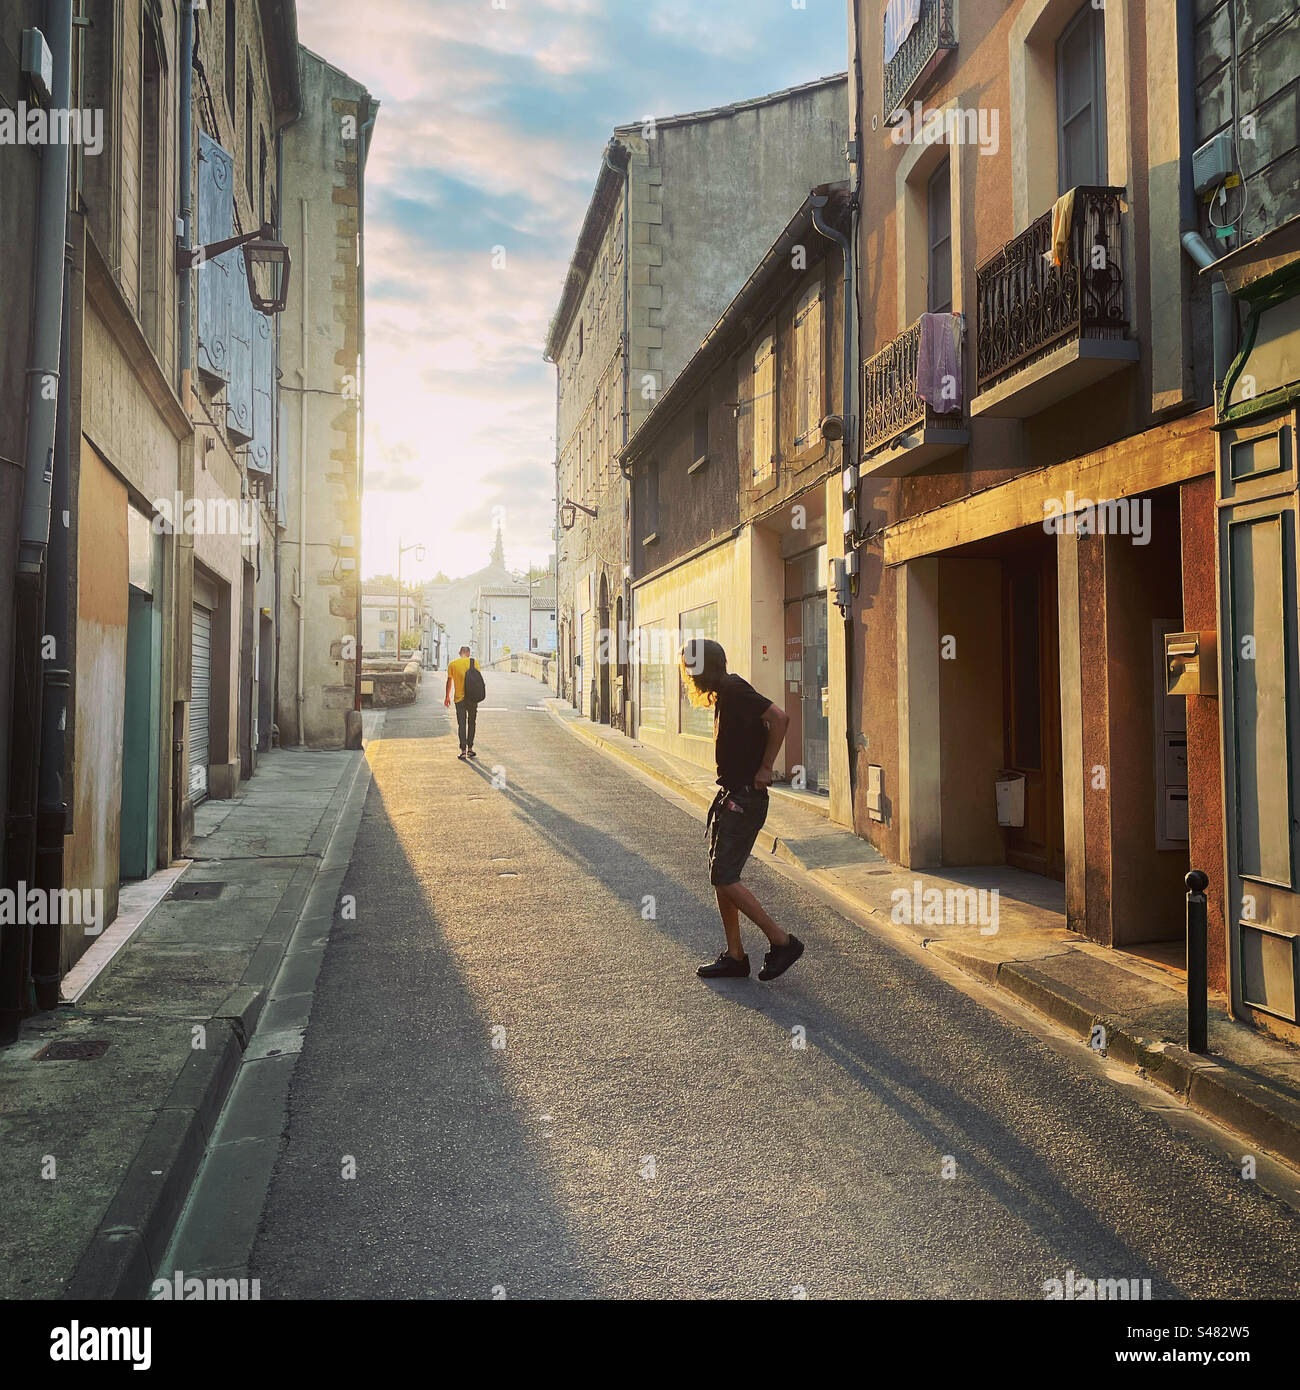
{"points": [[900, 20], [938, 363], [1062, 221]]}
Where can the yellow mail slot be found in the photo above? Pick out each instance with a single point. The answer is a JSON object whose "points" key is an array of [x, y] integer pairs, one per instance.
{"points": [[1191, 663]]}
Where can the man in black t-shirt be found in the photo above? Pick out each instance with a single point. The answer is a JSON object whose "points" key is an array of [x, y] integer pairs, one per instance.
{"points": [[748, 729]]}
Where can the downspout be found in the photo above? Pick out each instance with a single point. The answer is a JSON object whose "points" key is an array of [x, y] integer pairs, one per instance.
{"points": [[624, 487], [847, 454], [559, 692], [300, 586], [1193, 243], [185, 135], [277, 458], [363, 155], [34, 526], [52, 821]]}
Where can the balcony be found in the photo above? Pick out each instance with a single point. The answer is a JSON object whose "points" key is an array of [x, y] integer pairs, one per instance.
{"points": [[901, 433], [1044, 332], [931, 40]]}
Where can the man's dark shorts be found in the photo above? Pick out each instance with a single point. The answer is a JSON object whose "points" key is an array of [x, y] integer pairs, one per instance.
{"points": [[734, 822]]}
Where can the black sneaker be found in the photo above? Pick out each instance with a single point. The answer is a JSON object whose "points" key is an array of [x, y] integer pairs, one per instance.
{"points": [[725, 966], [460, 757], [780, 958], [471, 752]]}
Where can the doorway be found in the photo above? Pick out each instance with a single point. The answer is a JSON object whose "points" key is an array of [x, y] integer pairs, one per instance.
{"points": [[1031, 702], [806, 668], [602, 650], [140, 736]]}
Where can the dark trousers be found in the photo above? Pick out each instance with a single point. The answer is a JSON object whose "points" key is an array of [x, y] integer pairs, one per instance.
{"points": [[466, 718]]}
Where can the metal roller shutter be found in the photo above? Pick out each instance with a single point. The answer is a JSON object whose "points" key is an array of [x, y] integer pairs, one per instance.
{"points": [[200, 701]]}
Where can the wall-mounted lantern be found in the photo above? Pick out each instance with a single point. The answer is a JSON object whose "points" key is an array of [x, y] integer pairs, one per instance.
{"points": [[266, 264]]}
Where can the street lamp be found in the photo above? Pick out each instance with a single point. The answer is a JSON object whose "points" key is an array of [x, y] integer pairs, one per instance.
{"points": [[266, 261], [569, 510], [419, 555]]}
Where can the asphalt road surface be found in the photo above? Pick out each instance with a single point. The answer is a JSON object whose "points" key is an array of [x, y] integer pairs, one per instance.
{"points": [[514, 1085]]}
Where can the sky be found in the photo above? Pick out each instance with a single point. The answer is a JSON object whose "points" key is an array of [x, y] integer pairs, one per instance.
{"points": [[493, 115]]}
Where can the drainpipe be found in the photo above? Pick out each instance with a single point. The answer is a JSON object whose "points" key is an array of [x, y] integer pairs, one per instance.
{"points": [[300, 588], [363, 154], [52, 821], [624, 496], [30, 677], [847, 454], [185, 136], [1193, 243]]}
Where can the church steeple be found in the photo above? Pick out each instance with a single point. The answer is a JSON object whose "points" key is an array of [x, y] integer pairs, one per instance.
{"points": [[499, 550]]}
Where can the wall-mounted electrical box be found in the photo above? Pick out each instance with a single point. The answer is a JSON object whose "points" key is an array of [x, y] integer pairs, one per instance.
{"points": [[1191, 663], [876, 792], [38, 62], [1212, 163]]}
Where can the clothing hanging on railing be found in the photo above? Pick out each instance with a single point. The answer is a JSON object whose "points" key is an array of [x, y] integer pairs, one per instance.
{"points": [[1062, 220], [938, 363], [900, 20]]}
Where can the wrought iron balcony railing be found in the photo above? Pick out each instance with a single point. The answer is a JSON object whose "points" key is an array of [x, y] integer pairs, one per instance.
{"points": [[890, 405], [1026, 306], [931, 37]]}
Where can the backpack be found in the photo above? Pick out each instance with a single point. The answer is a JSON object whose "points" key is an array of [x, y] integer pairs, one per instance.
{"points": [[475, 690]]}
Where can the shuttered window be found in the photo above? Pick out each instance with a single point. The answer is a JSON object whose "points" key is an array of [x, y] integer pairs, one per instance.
{"points": [[260, 450], [239, 396], [215, 220], [764, 407], [808, 329]]}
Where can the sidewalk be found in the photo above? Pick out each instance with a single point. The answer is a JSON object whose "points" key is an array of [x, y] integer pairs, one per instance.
{"points": [[97, 1154], [1250, 1083]]}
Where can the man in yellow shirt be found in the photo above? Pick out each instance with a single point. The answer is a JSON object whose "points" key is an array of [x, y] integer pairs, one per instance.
{"points": [[466, 710]]}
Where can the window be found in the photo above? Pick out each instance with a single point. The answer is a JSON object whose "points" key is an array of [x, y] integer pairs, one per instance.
{"points": [[248, 127], [261, 165], [651, 515], [650, 680], [939, 203], [580, 336], [230, 60], [1081, 100], [150, 182], [763, 406], [697, 622]]}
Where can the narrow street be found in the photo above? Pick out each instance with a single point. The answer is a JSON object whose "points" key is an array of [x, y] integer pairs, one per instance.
{"points": [[513, 1084]]}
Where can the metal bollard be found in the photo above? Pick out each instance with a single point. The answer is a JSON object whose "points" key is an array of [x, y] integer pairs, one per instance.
{"points": [[1198, 983]]}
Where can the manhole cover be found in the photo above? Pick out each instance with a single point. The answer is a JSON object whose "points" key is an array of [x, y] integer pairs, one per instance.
{"points": [[71, 1051], [196, 892]]}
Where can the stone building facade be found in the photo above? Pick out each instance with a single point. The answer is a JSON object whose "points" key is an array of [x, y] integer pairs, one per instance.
{"points": [[683, 208], [321, 339]]}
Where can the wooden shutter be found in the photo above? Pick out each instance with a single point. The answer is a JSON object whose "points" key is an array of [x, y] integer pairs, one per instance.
{"points": [[808, 330], [259, 453], [239, 395], [215, 217], [764, 407], [745, 415]]}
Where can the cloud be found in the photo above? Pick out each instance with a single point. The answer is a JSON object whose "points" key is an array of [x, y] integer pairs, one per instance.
{"points": [[489, 134]]}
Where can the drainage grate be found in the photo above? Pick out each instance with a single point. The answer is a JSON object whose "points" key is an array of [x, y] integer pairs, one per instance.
{"points": [[71, 1051], [196, 892]]}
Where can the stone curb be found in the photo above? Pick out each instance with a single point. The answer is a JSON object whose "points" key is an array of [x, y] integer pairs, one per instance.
{"points": [[1266, 1117], [126, 1250]]}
